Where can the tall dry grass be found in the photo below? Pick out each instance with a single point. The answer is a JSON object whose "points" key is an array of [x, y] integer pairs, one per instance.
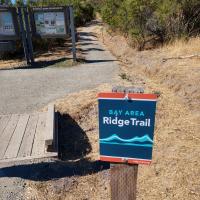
{"points": [[184, 47]]}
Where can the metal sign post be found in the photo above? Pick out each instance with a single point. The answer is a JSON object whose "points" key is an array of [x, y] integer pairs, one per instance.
{"points": [[72, 29], [126, 128], [28, 35], [23, 35]]}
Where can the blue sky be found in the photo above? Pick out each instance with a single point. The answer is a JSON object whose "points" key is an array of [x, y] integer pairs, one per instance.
{"points": [[13, 1]]}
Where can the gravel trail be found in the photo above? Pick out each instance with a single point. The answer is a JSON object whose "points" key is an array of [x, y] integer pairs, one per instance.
{"points": [[27, 90]]}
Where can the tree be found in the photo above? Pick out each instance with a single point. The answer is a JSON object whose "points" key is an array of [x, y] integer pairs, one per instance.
{"points": [[158, 20], [5, 2]]}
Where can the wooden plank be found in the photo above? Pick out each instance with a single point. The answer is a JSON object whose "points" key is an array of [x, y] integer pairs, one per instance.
{"points": [[39, 140], [27, 142], [50, 126], [17, 137], [7, 134], [123, 181], [3, 122]]}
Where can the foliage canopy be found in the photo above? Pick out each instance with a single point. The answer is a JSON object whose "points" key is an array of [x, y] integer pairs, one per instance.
{"points": [[152, 20]]}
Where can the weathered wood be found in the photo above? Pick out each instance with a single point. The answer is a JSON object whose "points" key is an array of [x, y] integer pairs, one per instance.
{"points": [[3, 122], [17, 137], [123, 181], [7, 134], [27, 142], [22, 137], [50, 126], [39, 140], [72, 28]]}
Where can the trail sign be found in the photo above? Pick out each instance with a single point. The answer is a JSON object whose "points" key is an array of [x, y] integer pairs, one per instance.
{"points": [[49, 22], [126, 127], [9, 27]]}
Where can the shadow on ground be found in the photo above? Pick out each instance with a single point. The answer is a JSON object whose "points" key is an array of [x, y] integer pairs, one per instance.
{"points": [[85, 39], [73, 147], [46, 171], [95, 61], [41, 64], [89, 49], [73, 141], [87, 34]]}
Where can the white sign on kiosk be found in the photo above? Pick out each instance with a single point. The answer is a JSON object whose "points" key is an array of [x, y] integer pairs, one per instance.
{"points": [[6, 24], [48, 23]]}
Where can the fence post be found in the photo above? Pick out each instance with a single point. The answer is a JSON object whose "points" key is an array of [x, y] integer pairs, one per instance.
{"points": [[72, 29], [28, 35], [23, 35]]}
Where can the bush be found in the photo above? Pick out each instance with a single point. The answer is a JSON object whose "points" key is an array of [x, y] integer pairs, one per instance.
{"points": [[152, 21]]}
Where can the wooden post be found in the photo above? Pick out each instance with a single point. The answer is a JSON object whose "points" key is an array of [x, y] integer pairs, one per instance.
{"points": [[123, 181], [124, 176]]}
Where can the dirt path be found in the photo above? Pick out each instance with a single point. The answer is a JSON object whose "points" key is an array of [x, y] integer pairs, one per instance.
{"points": [[25, 90]]}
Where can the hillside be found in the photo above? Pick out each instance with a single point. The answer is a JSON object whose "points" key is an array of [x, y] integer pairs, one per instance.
{"points": [[173, 75], [172, 71]]}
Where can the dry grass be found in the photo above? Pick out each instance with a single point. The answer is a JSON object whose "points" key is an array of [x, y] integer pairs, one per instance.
{"points": [[179, 75], [182, 47]]}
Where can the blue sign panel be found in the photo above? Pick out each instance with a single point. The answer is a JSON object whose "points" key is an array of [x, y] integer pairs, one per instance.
{"points": [[126, 127]]}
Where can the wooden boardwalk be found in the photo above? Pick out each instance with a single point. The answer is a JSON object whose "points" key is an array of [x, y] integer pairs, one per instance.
{"points": [[24, 136]]}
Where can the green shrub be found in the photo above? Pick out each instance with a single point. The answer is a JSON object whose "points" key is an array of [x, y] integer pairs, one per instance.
{"points": [[152, 21]]}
